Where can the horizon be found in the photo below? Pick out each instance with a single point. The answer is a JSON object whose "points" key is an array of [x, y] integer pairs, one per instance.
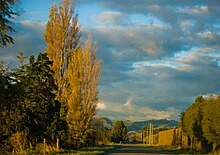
{"points": [[136, 120]]}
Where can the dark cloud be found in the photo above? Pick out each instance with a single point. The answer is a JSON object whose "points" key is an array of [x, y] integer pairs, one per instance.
{"points": [[28, 37], [185, 19]]}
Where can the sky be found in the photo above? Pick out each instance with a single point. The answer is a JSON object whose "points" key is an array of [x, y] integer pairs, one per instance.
{"points": [[158, 55]]}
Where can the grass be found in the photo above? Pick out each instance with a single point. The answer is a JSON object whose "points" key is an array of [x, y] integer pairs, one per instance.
{"points": [[175, 150], [96, 150]]}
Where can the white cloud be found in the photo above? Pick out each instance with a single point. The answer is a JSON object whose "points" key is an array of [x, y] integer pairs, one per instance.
{"points": [[101, 106], [128, 103], [206, 35], [170, 113], [130, 111], [109, 17], [195, 10]]}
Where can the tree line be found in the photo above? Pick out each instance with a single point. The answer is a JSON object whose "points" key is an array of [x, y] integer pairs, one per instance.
{"points": [[201, 122]]}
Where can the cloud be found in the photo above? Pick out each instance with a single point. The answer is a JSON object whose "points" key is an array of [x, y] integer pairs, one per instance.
{"points": [[28, 37], [109, 17], [128, 103], [166, 86], [186, 19], [129, 111], [170, 113], [157, 55], [101, 106], [168, 61], [138, 40]]}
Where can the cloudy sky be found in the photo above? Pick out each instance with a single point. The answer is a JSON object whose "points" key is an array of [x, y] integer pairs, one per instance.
{"points": [[158, 55]]}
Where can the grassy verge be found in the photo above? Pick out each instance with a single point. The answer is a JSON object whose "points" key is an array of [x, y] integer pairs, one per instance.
{"points": [[175, 150], [96, 150]]}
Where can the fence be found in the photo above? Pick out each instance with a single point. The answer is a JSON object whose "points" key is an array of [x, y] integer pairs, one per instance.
{"points": [[174, 137]]}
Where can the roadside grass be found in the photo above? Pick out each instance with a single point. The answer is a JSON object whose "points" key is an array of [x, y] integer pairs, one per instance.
{"points": [[96, 150], [176, 150]]}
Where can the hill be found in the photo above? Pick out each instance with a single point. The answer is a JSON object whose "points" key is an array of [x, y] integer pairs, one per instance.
{"points": [[137, 126], [107, 122]]}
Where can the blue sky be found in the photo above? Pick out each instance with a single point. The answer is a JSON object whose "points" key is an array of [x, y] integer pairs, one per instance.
{"points": [[158, 55]]}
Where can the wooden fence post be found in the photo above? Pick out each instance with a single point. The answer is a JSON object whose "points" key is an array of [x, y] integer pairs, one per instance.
{"points": [[44, 146], [57, 144]]}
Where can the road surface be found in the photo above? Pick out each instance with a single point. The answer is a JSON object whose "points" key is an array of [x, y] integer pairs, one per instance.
{"points": [[135, 149]]}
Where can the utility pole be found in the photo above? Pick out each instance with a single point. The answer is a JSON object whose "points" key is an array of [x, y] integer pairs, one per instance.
{"points": [[21, 58], [151, 138], [147, 135], [152, 133]]}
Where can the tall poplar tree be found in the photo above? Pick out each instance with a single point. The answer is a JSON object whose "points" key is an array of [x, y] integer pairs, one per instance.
{"points": [[82, 73], [62, 35], [76, 71]]}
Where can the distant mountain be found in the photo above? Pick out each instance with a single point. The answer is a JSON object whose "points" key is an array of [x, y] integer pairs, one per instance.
{"points": [[107, 122], [137, 126], [128, 123]]}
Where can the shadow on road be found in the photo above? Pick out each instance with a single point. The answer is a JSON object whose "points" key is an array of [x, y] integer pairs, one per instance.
{"points": [[135, 149]]}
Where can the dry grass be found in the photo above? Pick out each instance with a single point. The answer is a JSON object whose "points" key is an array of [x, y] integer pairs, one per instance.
{"points": [[19, 142]]}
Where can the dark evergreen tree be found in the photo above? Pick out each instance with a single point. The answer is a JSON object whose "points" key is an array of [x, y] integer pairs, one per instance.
{"points": [[6, 13], [40, 107]]}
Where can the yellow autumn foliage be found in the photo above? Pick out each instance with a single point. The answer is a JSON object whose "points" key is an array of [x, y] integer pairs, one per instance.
{"points": [[82, 94], [76, 71], [62, 37]]}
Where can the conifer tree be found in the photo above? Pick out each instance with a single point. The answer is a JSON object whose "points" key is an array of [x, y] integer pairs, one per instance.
{"points": [[6, 13], [40, 107]]}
